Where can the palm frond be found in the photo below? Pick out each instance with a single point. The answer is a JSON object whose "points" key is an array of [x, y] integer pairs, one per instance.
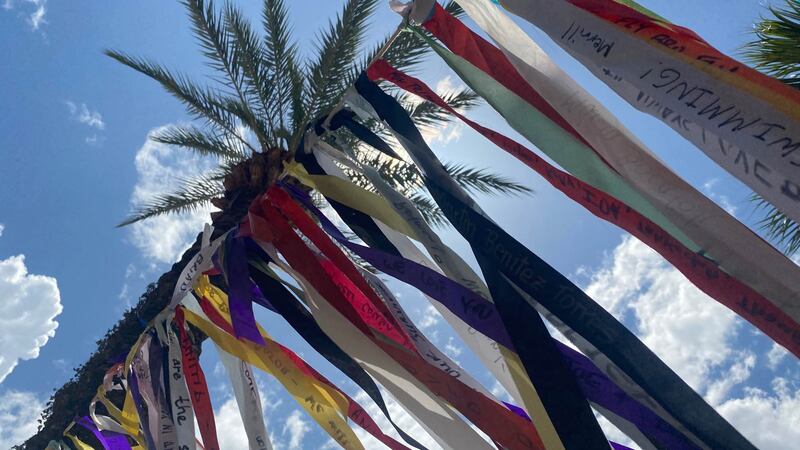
{"points": [[223, 53], [338, 49], [778, 227], [281, 56], [427, 114], [192, 195], [775, 49], [202, 103], [429, 209], [403, 176], [257, 74], [483, 181], [202, 142]]}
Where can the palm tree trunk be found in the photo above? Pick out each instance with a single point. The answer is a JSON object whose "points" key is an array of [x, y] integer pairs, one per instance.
{"points": [[245, 182]]}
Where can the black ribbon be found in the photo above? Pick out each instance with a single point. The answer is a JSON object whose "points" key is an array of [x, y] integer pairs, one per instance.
{"points": [[567, 408]]}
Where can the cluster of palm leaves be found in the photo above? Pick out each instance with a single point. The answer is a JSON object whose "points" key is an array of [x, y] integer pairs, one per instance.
{"points": [[776, 51], [261, 96]]}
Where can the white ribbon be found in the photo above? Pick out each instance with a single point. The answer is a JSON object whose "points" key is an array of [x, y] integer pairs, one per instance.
{"points": [[248, 399]]}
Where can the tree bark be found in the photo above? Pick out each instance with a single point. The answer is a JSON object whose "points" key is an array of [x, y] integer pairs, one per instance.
{"points": [[245, 182]]}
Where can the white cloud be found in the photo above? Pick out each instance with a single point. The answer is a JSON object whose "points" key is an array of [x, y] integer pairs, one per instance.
{"points": [[85, 116], [776, 355], [19, 412], [229, 422], [430, 318], [452, 349], [768, 421], [36, 18], [160, 169], [2, 228], [695, 335], [499, 392], [399, 415], [297, 428], [450, 132], [722, 200], [34, 13], [737, 374], [29, 305], [684, 327]]}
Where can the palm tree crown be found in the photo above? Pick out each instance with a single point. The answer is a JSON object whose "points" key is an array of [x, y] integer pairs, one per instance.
{"points": [[262, 97]]}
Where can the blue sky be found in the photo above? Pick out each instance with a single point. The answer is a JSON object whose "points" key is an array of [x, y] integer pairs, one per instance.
{"points": [[73, 156]]}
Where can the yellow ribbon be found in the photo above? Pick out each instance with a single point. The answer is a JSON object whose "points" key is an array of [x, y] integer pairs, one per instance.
{"points": [[353, 196], [325, 404]]}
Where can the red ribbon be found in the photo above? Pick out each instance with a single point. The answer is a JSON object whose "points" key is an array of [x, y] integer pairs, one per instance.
{"points": [[198, 388]]}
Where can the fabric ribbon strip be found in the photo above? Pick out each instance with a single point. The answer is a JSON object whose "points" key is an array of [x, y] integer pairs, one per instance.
{"points": [[737, 249], [248, 400], [354, 410], [108, 439], [567, 418], [196, 382], [572, 101], [724, 97], [475, 310], [729, 291], [498, 422], [445, 426], [180, 399], [555, 292]]}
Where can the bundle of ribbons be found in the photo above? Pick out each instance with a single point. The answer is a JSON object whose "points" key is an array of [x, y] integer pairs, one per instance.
{"points": [[289, 257]]}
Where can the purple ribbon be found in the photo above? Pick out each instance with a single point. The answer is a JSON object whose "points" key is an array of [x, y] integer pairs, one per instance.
{"points": [[240, 295], [109, 440]]}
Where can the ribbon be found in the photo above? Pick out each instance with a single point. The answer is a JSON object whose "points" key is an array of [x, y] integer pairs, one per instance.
{"points": [[535, 66], [683, 72], [198, 388], [239, 298], [79, 444], [737, 249], [109, 440], [514, 366], [728, 290], [548, 287], [179, 397], [568, 422], [139, 369], [248, 399], [199, 263]]}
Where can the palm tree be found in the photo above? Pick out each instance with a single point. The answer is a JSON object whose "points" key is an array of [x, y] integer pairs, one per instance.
{"points": [[776, 51], [249, 119]]}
